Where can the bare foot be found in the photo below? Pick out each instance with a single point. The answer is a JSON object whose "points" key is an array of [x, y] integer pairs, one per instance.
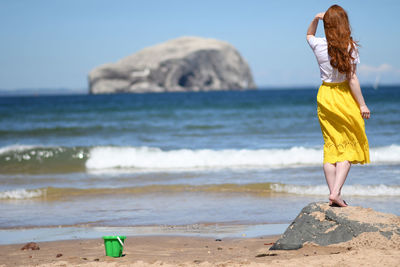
{"points": [[337, 200]]}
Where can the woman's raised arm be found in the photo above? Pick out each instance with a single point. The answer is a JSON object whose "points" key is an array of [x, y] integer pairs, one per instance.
{"points": [[312, 29]]}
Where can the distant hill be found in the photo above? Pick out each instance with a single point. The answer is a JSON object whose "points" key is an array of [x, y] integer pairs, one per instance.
{"points": [[41, 91]]}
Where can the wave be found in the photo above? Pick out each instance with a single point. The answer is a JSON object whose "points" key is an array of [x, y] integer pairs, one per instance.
{"points": [[42, 159], [385, 154], [15, 148], [155, 158], [260, 189], [22, 194], [57, 159], [348, 190]]}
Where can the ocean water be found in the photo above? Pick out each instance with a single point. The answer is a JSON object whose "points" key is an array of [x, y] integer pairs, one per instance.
{"points": [[181, 159]]}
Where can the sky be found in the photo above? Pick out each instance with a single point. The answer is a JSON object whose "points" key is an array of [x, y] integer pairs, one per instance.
{"points": [[55, 44]]}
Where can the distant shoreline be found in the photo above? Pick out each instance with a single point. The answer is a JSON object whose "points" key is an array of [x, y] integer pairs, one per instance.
{"points": [[67, 91]]}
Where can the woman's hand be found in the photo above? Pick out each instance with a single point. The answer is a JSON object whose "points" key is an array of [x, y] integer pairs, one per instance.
{"points": [[312, 29], [320, 15], [365, 112]]}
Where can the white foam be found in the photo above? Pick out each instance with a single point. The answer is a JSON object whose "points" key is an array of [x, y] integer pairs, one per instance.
{"points": [[155, 158], [21, 194], [385, 154], [17, 148], [348, 190], [300, 189]]}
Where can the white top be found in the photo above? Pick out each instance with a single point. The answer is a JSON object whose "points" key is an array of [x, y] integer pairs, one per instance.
{"points": [[328, 73]]}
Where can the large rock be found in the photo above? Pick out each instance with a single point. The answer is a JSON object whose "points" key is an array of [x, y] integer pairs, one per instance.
{"points": [[323, 225], [183, 64]]}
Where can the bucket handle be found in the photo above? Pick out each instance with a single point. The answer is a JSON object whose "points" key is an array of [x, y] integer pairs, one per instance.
{"points": [[122, 244]]}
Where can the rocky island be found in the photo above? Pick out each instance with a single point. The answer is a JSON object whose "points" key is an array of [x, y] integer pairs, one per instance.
{"points": [[182, 64]]}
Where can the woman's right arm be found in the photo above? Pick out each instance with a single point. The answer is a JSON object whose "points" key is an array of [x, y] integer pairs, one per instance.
{"points": [[312, 29], [356, 91]]}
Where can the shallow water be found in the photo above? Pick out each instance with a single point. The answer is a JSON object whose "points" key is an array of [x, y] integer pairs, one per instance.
{"points": [[233, 157]]}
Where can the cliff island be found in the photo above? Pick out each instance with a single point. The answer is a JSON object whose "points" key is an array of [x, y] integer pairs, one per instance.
{"points": [[178, 65]]}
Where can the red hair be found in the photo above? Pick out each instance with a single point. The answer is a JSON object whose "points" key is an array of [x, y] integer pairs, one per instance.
{"points": [[338, 35]]}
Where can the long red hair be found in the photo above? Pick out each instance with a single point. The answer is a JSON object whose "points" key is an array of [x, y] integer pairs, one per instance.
{"points": [[338, 35]]}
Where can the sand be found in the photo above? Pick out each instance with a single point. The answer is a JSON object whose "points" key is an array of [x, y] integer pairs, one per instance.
{"points": [[199, 251]]}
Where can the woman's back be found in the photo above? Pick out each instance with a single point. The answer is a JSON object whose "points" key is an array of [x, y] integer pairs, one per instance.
{"points": [[327, 72]]}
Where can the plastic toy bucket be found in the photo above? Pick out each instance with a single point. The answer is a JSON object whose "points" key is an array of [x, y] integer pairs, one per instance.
{"points": [[114, 245]]}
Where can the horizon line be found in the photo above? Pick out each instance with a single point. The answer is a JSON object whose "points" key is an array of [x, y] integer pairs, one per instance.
{"points": [[85, 91], [261, 87]]}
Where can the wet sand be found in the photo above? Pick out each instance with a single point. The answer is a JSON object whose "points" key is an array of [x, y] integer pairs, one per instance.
{"points": [[195, 251]]}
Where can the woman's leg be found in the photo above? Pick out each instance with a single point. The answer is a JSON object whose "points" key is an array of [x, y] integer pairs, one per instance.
{"points": [[330, 176], [342, 170]]}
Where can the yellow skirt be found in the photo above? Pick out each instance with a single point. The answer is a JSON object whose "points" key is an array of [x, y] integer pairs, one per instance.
{"points": [[341, 123]]}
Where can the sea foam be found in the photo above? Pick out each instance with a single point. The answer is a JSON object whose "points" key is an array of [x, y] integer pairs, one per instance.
{"points": [[21, 194], [155, 158], [348, 190], [15, 148], [260, 189], [385, 154]]}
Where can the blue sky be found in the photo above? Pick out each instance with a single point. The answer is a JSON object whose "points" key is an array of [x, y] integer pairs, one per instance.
{"points": [[53, 44]]}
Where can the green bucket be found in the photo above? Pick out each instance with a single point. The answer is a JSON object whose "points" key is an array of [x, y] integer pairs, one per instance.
{"points": [[114, 245]]}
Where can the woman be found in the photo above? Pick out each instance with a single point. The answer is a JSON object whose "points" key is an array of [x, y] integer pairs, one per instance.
{"points": [[341, 106]]}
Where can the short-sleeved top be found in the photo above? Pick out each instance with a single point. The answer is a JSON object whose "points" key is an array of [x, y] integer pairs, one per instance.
{"points": [[327, 72]]}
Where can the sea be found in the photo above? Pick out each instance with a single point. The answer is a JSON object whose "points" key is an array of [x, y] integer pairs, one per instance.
{"points": [[223, 163]]}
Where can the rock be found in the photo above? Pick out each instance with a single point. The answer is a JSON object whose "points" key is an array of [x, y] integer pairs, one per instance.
{"points": [[323, 225], [31, 245], [182, 64]]}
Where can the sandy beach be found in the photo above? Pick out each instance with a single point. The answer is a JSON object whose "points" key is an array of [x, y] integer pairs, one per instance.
{"points": [[199, 251], [193, 133]]}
